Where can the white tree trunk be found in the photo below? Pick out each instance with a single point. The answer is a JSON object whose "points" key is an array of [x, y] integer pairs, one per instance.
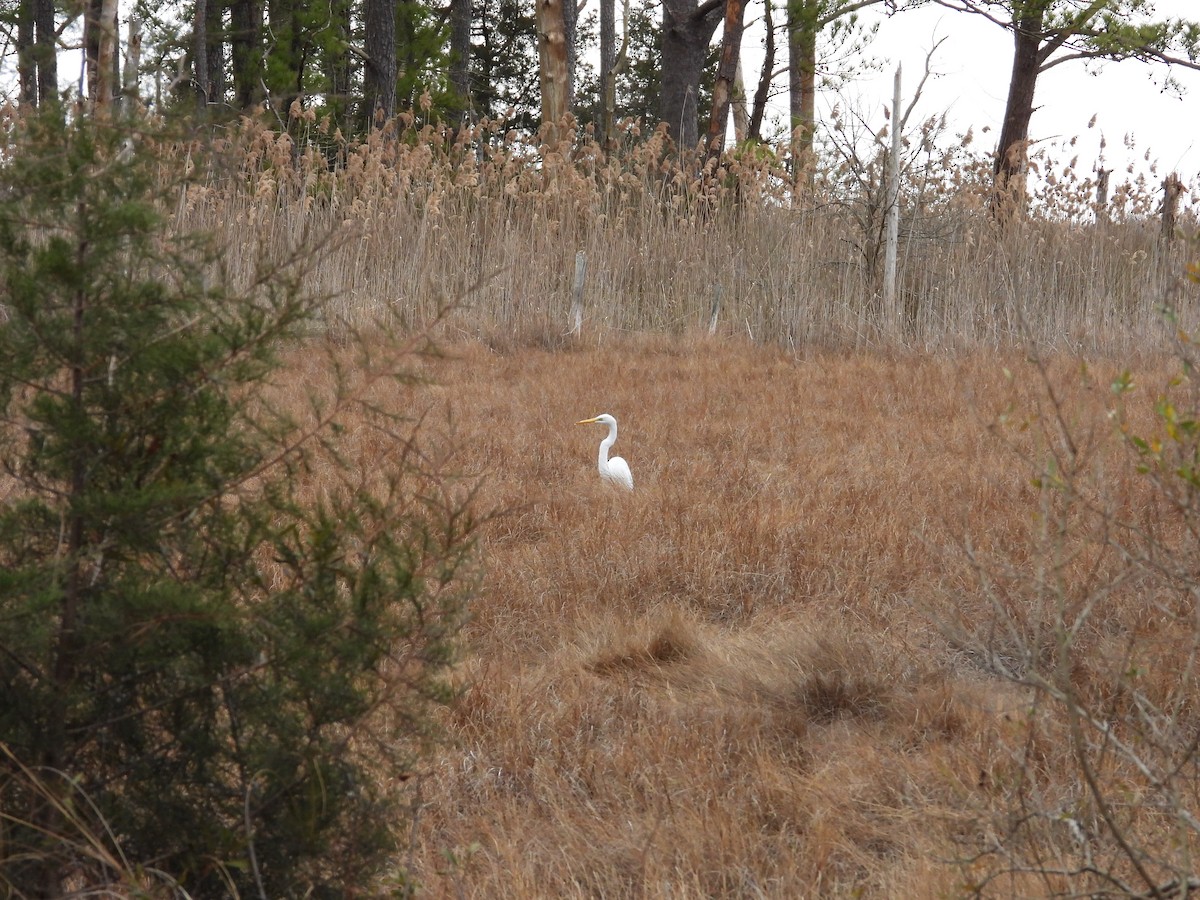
{"points": [[890, 307]]}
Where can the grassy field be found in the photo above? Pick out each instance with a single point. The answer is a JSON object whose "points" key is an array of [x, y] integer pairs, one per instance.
{"points": [[904, 603], [762, 672], [891, 611]]}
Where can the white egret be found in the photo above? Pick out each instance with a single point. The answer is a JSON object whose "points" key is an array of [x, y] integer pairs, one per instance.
{"points": [[616, 469]]}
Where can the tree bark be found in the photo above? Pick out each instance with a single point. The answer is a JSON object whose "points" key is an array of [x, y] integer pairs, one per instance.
{"points": [[92, 23], [1012, 152], [380, 80], [214, 49], [608, 56], [687, 30], [552, 66], [245, 45], [1102, 176], [133, 60], [46, 51], [803, 25], [1172, 191], [99, 44], [26, 55], [200, 53], [460, 53], [741, 113], [108, 31], [763, 91], [570, 17], [891, 309], [727, 70]]}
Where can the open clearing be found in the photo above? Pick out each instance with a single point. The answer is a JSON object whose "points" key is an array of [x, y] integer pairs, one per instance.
{"points": [[744, 678]]}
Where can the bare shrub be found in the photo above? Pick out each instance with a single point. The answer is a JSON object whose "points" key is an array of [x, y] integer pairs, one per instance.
{"points": [[1096, 617]]}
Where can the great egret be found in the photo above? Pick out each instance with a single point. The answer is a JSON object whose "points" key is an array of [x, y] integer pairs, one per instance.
{"points": [[616, 469]]}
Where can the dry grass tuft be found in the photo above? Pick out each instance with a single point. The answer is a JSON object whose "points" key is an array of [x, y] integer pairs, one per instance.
{"points": [[825, 696], [670, 643]]}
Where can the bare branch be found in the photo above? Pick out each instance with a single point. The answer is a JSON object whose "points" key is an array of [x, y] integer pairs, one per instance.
{"points": [[921, 84]]}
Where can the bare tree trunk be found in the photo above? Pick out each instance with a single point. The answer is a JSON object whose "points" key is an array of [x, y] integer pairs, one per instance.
{"points": [[26, 56], [570, 17], [1172, 191], [200, 53], [1012, 152], [46, 51], [741, 114], [215, 51], [891, 309], [608, 56], [1102, 176], [731, 43], [803, 25], [687, 29], [106, 56], [380, 45], [100, 43], [552, 66], [460, 53], [92, 24], [608, 81], [762, 92], [133, 60]]}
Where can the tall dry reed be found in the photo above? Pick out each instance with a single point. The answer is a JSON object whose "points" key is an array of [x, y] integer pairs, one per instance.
{"points": [[485, 220]]}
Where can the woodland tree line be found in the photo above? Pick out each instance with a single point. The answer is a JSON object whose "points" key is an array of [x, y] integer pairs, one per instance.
{"points": [[676, 63]]}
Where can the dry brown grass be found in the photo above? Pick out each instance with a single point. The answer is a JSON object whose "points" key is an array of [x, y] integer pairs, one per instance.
{"points": [[759, 674], [738, 680]]}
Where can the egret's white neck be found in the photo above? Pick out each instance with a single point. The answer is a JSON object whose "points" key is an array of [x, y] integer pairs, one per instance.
{"points": [[606, 444]]}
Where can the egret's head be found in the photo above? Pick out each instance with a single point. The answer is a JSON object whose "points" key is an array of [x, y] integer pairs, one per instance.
{"points": [[602, 419]]}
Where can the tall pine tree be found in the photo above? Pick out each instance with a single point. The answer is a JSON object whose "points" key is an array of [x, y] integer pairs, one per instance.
{"points": [[192, 650]]}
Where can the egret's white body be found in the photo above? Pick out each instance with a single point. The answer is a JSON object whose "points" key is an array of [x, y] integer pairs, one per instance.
{"points": [[616, 469]]}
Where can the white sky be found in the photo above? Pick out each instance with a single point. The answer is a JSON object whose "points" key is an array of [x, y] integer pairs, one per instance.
{"points": [[972, 69]]}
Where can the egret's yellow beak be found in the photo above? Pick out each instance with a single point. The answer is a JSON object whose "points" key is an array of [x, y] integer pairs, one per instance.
{"points": [[588, 421]]}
